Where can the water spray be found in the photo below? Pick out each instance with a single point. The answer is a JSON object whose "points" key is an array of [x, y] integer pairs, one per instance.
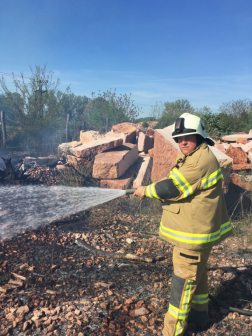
{"points": [[29, 207]]}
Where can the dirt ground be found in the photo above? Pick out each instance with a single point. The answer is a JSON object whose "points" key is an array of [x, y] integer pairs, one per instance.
{"points": [[60, 288]]}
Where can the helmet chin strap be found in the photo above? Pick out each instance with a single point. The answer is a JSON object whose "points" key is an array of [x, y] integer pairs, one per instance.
{"points": [[200, 139]]}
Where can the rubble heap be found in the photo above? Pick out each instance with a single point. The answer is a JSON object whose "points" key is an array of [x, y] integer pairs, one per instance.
{"points": [[121, 155], [130, 155]]}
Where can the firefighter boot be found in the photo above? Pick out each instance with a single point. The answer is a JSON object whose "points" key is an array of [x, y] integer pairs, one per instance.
{"points": [[198, 317]]}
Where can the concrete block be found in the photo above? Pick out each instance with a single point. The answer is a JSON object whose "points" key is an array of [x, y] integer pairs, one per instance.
{"points": [[144, 172], [96, 146], [113, 163], [144, 142]]}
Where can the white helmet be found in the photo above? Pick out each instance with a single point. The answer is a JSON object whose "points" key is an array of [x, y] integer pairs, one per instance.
{"points": [[188, 124]]}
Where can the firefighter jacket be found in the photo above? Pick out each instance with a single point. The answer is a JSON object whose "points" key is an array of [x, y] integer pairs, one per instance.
{"points": [[194, 215]]}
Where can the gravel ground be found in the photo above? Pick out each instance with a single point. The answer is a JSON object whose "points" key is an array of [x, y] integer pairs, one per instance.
{"points": [[52, 286], [60, 288]]}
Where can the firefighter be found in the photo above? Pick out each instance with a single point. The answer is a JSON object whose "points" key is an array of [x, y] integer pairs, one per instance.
{"points": [[194, 219]]}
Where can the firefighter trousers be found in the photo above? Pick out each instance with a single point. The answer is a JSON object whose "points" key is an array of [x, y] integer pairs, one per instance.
{"points": [[188, 289]]}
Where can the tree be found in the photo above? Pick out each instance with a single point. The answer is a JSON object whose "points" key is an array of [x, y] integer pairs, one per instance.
{"points": [[116, 108], [36, 105], [211, 121], [236, 116], [157, 110], [173, 111]]}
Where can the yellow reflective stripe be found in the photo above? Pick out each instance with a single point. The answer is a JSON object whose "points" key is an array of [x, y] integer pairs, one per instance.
{"points": [[200, 299], [181, 182], [187, 294], [185, 303], [212, 179], [179, 328], [154, 191], [179, 314], [193, 238], [151, 192]]}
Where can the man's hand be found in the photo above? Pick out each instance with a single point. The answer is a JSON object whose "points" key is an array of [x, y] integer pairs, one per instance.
{"points": [[138, 192]]}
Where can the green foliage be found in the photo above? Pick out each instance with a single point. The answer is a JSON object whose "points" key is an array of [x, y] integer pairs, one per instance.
{"points": [[173, 111], [211, 122], [145, 124], [157, 110], [102, 109], [36, 113], [35, 107], [236, 116], [144, 119]]}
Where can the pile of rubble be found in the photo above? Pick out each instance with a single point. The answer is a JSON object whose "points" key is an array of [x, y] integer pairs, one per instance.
{"points": [[128, 156], [239, 148], [121, 155]]}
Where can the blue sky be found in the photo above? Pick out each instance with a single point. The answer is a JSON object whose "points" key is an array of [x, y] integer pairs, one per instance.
{"points": [[160, 50]]}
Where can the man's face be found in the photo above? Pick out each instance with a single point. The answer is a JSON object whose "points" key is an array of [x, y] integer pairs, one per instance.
{"points": [[187, 143]]}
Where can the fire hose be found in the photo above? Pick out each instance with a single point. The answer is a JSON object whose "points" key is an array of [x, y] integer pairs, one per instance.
{"points": [[212, 298]]}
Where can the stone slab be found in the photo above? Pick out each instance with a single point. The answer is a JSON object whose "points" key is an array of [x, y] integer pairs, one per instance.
{"points": [[236, 145], [247, 147], [73, 160], [226, 164], [150, 132], [237, 154], [144, 173], [128, 132], [121, 183], [242, 141], [144, 142], [234, 137], [89, 136], [166, 151], [151, 152], [250, 156], [113, 163], [96, 146], [243, 166], [63, 149], [241, 181], [219, 146]]}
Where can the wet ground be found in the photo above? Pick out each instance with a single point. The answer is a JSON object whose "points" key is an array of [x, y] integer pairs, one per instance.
{"points": [[66, 290]]}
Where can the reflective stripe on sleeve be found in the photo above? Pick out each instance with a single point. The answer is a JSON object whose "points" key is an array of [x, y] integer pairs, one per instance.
{"points": [[200, 299], [151, 192], [212, 179], [193, 238], [181, 182]]}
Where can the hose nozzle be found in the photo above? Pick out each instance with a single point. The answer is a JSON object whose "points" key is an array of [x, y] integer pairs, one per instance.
{"points": [[130, 191]]}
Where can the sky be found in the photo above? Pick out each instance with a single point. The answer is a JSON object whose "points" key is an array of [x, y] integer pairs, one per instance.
{"points": [[157, 51]]}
